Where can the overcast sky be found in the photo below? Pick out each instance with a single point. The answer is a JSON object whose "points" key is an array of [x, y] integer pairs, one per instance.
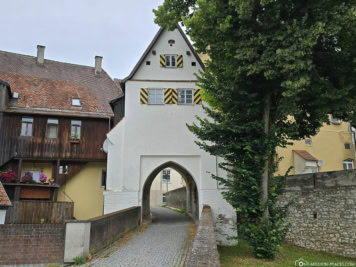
{"points": [[75, 31]]}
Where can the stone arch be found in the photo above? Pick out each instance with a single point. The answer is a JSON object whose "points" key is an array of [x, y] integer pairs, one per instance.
{"points": [[192, 198]]}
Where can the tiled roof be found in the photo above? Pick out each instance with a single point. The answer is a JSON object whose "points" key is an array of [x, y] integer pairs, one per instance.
{"points": [[4, 199], [52, 85], [305, 155]]}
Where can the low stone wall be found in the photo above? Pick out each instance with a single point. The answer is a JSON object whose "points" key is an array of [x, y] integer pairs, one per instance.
{"points": [[31, 243], [204, 251], [323, 216], [177, 198], [108, 228], [89, 236]]}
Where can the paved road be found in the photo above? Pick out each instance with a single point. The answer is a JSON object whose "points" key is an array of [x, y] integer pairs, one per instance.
{"points": [[162, 244]]}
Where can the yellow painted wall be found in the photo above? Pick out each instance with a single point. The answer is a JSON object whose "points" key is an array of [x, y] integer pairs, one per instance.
{"points": [[85, 190], [328, 145], [46, 168]]}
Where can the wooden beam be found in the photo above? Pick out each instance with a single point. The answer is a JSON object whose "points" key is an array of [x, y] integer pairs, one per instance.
{"points": [[57, 171]]}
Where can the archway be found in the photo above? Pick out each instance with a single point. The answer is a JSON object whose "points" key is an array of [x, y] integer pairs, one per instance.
{"points": [[192, 200]]}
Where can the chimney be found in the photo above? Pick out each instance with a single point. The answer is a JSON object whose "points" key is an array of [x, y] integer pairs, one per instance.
{"points": [[98, 61], [40, 54]]}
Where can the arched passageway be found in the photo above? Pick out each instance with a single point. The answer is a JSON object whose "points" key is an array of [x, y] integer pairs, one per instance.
{"points": [[192, 200]]}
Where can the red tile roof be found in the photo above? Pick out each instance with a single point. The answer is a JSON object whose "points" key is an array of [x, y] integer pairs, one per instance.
{"points": [[51, 86], [4, 199], [305, 155]]}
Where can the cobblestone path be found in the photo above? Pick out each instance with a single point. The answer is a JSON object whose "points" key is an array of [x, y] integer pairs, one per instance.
{"points": [[162, 244]]}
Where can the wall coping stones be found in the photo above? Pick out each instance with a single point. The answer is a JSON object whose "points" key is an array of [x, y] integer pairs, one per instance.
{"points": [[204, 251]]}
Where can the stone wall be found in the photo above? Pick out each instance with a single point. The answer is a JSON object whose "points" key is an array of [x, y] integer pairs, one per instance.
{"points": [[323, 214], [31, 243], [177, 198], [108, 228], [204, 251]]}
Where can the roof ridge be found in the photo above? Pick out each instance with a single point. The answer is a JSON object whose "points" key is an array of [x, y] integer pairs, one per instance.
{"points": [[51, 60]]}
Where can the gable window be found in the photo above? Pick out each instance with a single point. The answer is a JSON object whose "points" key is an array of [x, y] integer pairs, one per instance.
{"points": [[52, 128], [26, 127], [185, 96], [348, 164], [75, 130], [76, 102], [166, 176], [155, 96], [171, 61]]}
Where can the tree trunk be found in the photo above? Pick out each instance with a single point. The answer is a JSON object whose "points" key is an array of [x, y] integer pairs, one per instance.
{"points": [[266, 120]]}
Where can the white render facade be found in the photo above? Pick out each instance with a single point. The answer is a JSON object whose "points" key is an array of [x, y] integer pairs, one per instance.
{"points": [[152, 137]]}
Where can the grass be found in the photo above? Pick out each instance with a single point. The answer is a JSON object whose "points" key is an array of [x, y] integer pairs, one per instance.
{"points": [[241, 255]]}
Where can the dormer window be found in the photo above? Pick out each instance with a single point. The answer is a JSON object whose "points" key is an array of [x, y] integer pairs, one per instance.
{"points": [[76, 102]]}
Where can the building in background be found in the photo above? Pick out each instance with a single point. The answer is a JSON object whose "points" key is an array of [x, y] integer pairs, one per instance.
{"points": [[167, 180], [332, 149], [54, 118]]}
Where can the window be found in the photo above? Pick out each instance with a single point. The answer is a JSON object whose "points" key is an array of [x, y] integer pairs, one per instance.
{"points": [[185, 96], [348, 164], [103, 178], [164, 197], [35, 175], [76, 102], [148, 62], [308, 142], [75, 132], [194, 64], [155, 96], [171, 61], [63, 169], [347, 146], [166, 176], [52, 128], [26, 128]]}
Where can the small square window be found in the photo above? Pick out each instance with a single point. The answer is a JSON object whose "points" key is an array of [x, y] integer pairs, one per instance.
{"points": [[148, 62], [347, 146], [63, 169], [308, 142], [194, 64], [76, 102]]}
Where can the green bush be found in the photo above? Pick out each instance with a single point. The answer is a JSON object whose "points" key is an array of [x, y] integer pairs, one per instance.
{"points": [[79, 260]]}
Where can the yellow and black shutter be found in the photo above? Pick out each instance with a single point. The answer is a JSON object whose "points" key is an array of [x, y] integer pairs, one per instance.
{"points": [[197, 96], [162, 60], [143, 96], [180, 61], [170, 96]]}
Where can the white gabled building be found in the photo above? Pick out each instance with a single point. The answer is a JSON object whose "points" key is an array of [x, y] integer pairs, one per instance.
{"points": [[161, 97]]}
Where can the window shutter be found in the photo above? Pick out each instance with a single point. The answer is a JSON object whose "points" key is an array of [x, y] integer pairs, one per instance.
{"points": [[162, 60], [143, 96], [167, 95], [174, 96], [197, 96], [180, 61]]}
